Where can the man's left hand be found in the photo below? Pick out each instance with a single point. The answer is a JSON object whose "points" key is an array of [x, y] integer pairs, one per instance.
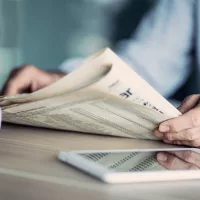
{"points": [[185, 129], [179, 159]]}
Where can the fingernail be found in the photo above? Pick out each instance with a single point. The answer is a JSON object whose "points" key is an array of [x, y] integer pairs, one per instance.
{"points": [[169, 136], [163, 128], [167, 141], [162, 157]]}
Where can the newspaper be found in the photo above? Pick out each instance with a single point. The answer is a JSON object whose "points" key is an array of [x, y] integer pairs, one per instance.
{"points": [[103, 96]]}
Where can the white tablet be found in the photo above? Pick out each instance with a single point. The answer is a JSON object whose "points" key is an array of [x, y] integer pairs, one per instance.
{"points": [[128, 166]]}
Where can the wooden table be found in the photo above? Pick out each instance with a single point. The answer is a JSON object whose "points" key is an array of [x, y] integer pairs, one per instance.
{"points": [[30, 170]]}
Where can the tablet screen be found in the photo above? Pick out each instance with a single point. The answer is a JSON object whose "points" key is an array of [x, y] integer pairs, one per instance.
{"points": [[145, 161]]}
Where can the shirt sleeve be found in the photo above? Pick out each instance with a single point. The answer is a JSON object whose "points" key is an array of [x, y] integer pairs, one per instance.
{"points": [[159, 50], [70, 64]]}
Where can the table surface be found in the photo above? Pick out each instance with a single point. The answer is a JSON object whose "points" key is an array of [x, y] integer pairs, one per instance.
{"points": [[29, 168]]}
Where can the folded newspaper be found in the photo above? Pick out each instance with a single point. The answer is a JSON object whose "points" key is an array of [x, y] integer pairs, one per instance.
{"points": [[102, 96]]}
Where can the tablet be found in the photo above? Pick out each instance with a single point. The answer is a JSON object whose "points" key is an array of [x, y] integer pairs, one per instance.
{"points": [[142, 165]]}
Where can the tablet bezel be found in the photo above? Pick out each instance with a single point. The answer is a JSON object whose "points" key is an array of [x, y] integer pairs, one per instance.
{"points": [[98, 171]]}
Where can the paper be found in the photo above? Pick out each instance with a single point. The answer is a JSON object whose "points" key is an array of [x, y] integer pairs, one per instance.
{"points": [[103, 96]]}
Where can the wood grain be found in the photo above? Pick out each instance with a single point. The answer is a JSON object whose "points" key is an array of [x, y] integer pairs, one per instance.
{"points": [[29, 168]]}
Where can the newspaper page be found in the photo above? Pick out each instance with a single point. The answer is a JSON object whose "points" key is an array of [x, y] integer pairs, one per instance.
{"points": [[123, 82], [112, 75], [92, 70], [90, 111], [115, 102]]}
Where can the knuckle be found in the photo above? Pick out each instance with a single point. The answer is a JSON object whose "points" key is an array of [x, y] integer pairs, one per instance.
{"points": [[195, 143], [28, 67], [168, 136], [173, 162], [196, 95], [188, 156], [11, 83], [193, 96], [173, 125], [187, 98], [195, 119], [189, 134], [174, 128]]}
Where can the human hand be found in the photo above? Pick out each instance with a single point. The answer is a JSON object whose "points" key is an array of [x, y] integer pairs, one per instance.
{"points": [[185, 129], [29, 78], [179, 159]]}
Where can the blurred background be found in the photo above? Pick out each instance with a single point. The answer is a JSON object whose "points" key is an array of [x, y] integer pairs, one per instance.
{"points": [[46, 32]]}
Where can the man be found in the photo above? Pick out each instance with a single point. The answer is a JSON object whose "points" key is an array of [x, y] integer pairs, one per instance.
{"points": [[159, 52]]}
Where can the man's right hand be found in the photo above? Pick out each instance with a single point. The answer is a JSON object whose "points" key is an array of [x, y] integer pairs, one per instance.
{"points": [[28, 78]]}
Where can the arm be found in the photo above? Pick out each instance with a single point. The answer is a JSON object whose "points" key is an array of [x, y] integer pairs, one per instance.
{"points": [[159, 50]]}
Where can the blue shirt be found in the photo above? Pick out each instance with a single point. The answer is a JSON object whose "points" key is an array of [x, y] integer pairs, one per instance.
{"points": [[159, 50]]}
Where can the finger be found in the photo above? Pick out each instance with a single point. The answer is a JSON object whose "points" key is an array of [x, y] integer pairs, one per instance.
{"points": [[172, 162], [168, 141], [16, 85], [188, 120], [188, 156], [11, 75], [176, 142], [158, 134], [194, 143], [165, 139], [187, 134], [189, 103], [19, 81]]}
